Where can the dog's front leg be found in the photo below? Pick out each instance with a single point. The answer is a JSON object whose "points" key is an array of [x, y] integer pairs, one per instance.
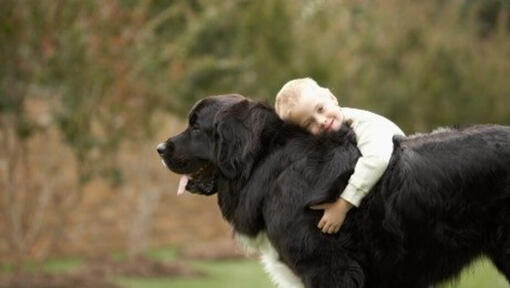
{"points": [[327, 277]]}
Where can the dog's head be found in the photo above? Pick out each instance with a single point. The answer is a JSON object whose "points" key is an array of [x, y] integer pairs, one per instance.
{"points": [[222, 140]]}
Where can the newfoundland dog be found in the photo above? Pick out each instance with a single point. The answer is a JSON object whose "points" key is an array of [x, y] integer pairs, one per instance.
{"points": [[443, 201]]}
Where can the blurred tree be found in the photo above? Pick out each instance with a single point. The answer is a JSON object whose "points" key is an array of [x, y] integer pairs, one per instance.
{"points": [[489, 14], [17, 184]]}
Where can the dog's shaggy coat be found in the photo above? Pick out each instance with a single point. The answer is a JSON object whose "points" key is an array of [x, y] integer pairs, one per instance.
{"points": [[443, 201]]}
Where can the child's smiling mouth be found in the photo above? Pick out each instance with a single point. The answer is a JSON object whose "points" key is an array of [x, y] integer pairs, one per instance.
{"points": [[330, 125]]}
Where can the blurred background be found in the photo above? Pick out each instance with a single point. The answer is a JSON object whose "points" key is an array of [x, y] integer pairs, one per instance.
{"points": [[89, 88]]}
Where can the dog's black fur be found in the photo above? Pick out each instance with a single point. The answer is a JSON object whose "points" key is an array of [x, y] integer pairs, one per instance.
{"points": [[443, 201]]}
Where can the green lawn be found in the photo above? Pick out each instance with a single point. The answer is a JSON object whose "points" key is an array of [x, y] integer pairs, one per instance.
{"points": [[481, 274], [231, 273], [249, 273], [235, 273]]}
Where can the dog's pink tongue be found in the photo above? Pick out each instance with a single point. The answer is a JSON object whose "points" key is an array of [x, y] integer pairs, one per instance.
{"points": [[182, 184]]}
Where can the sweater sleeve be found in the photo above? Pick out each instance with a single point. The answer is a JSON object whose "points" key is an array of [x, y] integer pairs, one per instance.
{"points": [[374, 135]]}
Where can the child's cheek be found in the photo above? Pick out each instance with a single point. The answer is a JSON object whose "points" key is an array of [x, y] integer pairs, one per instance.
{"points": [[341, 119], [339, 123]]}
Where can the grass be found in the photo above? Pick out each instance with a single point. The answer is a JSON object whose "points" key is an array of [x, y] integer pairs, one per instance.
{"points": [[62, 265], [249, 274], [246, 273], [235, 273], [481, 274], [228, 273], [163, 253]]}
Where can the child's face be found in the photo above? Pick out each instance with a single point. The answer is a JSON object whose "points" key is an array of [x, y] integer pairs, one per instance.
{"points": [[317, 111]]}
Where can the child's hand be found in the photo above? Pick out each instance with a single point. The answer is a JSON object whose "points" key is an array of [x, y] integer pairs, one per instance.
{"points": [[334, 215]]}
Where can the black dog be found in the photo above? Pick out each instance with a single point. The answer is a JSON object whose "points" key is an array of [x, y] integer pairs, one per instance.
{"points": [[443, 201]]}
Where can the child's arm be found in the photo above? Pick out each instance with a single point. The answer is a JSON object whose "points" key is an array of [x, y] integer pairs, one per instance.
{"points": [[376, 153], [374, 135], [334, 215]]}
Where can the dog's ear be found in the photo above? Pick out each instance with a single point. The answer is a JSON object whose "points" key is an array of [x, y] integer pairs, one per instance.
{"points": [[238, 131]]}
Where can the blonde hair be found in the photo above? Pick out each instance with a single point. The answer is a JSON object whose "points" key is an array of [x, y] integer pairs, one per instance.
{"points": [[290, 93]]}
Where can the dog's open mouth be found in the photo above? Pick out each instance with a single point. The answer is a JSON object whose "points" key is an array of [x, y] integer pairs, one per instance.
{"points": [[202, 181]]}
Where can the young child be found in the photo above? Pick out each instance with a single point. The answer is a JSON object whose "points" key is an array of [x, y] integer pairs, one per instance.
{"points": [[305, 103]]}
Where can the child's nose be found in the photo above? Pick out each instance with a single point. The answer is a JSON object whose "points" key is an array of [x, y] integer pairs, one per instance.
{"points": [[322, 121]]}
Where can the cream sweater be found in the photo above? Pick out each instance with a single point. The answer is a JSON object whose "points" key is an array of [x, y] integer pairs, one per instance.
{"points": [[374, 135]]}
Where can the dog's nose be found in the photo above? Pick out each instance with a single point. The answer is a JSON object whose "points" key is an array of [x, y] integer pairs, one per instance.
{"points": [[165, 148], [161, 148]]}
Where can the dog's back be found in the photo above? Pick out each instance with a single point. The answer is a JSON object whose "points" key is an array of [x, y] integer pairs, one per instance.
{"points": [[447, 200], [444, 200]]}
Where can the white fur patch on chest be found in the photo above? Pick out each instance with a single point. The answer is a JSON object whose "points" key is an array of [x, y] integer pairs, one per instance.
{"points": [[279, 273]]}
